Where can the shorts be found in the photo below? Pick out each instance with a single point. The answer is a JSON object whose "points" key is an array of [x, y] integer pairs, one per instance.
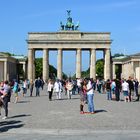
{"points": [[125, 93]]}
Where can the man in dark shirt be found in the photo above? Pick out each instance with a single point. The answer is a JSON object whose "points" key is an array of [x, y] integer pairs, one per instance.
{"points": [[131, 87], [38, 85], [136, 89]]}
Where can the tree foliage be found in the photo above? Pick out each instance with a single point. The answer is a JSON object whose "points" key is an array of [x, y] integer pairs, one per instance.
{"points": [[117, 55], [52, 69], [100, 68]]}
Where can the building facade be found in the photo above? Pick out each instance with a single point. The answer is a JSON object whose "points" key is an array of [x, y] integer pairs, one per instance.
{"points": [[128, 65], [10, 65]]}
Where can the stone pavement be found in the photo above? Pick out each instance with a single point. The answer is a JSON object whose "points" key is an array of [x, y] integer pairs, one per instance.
{"points": [[61, 118]]}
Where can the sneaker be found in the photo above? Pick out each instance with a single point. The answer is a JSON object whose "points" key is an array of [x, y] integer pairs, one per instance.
{"points": [[4, 117]]}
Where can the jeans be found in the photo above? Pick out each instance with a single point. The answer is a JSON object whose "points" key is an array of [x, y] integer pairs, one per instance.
{"points": [[5, 105], [37, 91], [90, 102], [109, 95], [69, 93]]}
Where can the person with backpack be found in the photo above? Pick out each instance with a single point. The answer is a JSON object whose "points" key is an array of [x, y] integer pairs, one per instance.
{"points": [[15, 91]]}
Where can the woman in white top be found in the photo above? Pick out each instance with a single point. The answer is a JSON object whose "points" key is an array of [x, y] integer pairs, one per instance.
{"points": [[125, 90], [57, 89], [50, 89], [69, 87]]}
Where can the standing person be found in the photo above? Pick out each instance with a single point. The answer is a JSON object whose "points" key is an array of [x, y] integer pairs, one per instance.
{"points": [[99, 85], [42, 83], [78, 85], [50, 89], [38, 85], [136, 88], [131, 88], [125, 90], [83, 96], [24, 87], [108, 90], [15, 91], [6, 95], [1, 100], [117, 89], [69, 87], [31, 87], [90, 96], [113, 88], [56, 89]]}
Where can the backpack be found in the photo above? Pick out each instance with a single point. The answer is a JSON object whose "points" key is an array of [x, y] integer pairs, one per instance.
{"points": [[108, 85]]}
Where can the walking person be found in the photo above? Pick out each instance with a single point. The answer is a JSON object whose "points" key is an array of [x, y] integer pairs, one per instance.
{"points": [[50, 89]]}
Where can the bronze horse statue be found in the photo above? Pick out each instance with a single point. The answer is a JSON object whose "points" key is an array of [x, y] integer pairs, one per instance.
{"points": [[69, 25]]}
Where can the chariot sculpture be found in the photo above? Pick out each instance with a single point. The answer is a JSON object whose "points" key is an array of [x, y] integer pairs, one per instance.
{"points": [[69, 26]]}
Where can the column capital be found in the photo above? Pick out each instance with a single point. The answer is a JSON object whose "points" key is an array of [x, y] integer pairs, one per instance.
{"points": [[92, 49], [60, 49]]}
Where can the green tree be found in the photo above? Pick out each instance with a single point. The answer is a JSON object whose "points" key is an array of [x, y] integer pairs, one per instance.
{"points": [[100, 68], [52, 70], [38, 67], [117, 55]]}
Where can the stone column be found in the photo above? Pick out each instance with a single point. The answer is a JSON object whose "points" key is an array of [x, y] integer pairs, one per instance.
{"points": [[78, 63], [107, 68], [24, 69], [114, 74], [45, 64], [33, 64], [59, 64], [5, 70], [30, 64], [132, 70], [93, 63]]}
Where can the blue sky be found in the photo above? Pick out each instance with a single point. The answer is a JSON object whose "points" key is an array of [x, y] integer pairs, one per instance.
{"points": [[120, 17]]}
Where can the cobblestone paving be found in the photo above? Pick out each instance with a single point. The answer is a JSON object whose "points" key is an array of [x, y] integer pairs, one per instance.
{"points": [[62, 117]]}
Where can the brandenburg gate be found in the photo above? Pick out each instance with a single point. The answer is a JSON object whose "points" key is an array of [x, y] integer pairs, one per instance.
{"points": [[68, 38]]}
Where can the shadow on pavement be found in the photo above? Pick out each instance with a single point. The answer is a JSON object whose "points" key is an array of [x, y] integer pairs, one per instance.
{"points": [[23, 101], [99, 111], [22, 115], [6, 125]]}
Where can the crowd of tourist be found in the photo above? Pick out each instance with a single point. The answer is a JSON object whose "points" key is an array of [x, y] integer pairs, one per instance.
{"points": [[86, 88]]}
